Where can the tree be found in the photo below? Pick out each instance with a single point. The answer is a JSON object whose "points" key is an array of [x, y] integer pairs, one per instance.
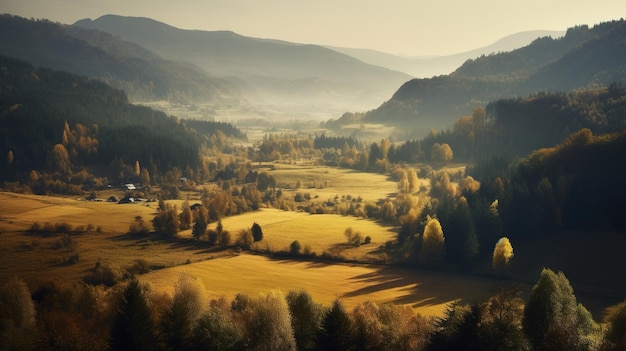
{"points": [[414, 183], [335, 332], [432, 250], [165, 222], [441, 153], [269, 324], [257, 232], [132, 327], [295, 248], [215, 330], [199, 228], [179, 319], [185, 216], [552, 318], [502, 255], [615, 338], [245, 239], [16, 306], [60, 159], [306, 317]]}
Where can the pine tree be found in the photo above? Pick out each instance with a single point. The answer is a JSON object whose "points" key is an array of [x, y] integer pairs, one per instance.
{"points": [[133, 328]]}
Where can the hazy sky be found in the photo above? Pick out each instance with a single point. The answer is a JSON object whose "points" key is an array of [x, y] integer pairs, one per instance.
{"points": [[412, 27]]}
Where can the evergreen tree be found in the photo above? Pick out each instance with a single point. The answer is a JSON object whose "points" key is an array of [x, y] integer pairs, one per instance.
{"points": [[133, 327], [257, 232], [336, 330]]}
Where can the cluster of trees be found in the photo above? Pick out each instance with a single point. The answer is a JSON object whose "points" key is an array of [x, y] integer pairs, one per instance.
{"points": [[78, 316], [574, 185]]}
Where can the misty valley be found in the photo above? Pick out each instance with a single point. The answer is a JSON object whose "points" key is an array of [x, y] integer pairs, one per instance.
{"points": [[171, 189]]}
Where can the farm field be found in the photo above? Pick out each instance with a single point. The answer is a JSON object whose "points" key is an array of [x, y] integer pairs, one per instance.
{"points": [[320, 232], [426, 292], [328, 182]]}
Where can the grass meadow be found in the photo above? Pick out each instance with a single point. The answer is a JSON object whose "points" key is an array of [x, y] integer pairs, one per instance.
{"points": [[426, 292]]}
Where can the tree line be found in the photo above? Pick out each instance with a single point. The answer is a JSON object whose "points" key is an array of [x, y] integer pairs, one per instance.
{"points": [[132, 316]]}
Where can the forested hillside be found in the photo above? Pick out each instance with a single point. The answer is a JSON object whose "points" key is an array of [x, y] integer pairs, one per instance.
{"points": [[584, 57], [58, 122], [142, 74]]}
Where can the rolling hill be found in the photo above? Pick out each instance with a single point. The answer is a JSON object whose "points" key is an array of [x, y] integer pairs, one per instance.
{"points": [[280, 71], [584, 57], [141, 73]]}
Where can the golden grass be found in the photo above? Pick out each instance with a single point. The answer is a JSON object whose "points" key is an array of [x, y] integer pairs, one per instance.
{"points": [[36, 258], [328, 182], [426, 292], [320, 232]]}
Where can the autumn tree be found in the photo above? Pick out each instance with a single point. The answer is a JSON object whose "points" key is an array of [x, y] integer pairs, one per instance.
{"points": [[180, 317], [245, 239], [502, 255], [432, 250], [60, 159], [268, 326], [165, 222], [441, 153], [185, 216]]}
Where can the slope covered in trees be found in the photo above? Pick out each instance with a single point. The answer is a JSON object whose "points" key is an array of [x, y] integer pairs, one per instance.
{"points": [[124, 65], [53, 120], [583, 57]]}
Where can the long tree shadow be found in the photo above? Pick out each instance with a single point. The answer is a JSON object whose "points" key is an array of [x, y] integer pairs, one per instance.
{"points": [[423, 288]]}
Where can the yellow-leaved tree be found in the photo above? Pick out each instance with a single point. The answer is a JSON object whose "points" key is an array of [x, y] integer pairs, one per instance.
{"points": [[502, 254]]}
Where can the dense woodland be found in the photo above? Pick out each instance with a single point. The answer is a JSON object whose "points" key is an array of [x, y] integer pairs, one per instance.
{"points": [[63, 125]]}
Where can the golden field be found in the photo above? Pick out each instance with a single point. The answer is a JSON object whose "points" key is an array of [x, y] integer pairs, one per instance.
{"points": [[36, 258]]}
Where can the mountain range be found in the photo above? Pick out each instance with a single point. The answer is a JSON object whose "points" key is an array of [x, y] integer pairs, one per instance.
{"points": [[124, 65], [279, 71], [584, 57], [151, 61]]}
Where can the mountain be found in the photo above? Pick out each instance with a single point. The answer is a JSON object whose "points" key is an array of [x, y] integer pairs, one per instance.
{"points": [[279, 71], [583, 57], [429, 66], [141, 73]]}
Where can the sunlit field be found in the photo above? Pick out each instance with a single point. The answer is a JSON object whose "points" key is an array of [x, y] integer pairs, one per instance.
{"points": [[328, 182], [426, 292], [320, 232]]}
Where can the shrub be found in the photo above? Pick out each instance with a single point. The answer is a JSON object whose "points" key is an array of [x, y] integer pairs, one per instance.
{"points": [[73, 259], [245, 239], [257, 232], [295, 248]]}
